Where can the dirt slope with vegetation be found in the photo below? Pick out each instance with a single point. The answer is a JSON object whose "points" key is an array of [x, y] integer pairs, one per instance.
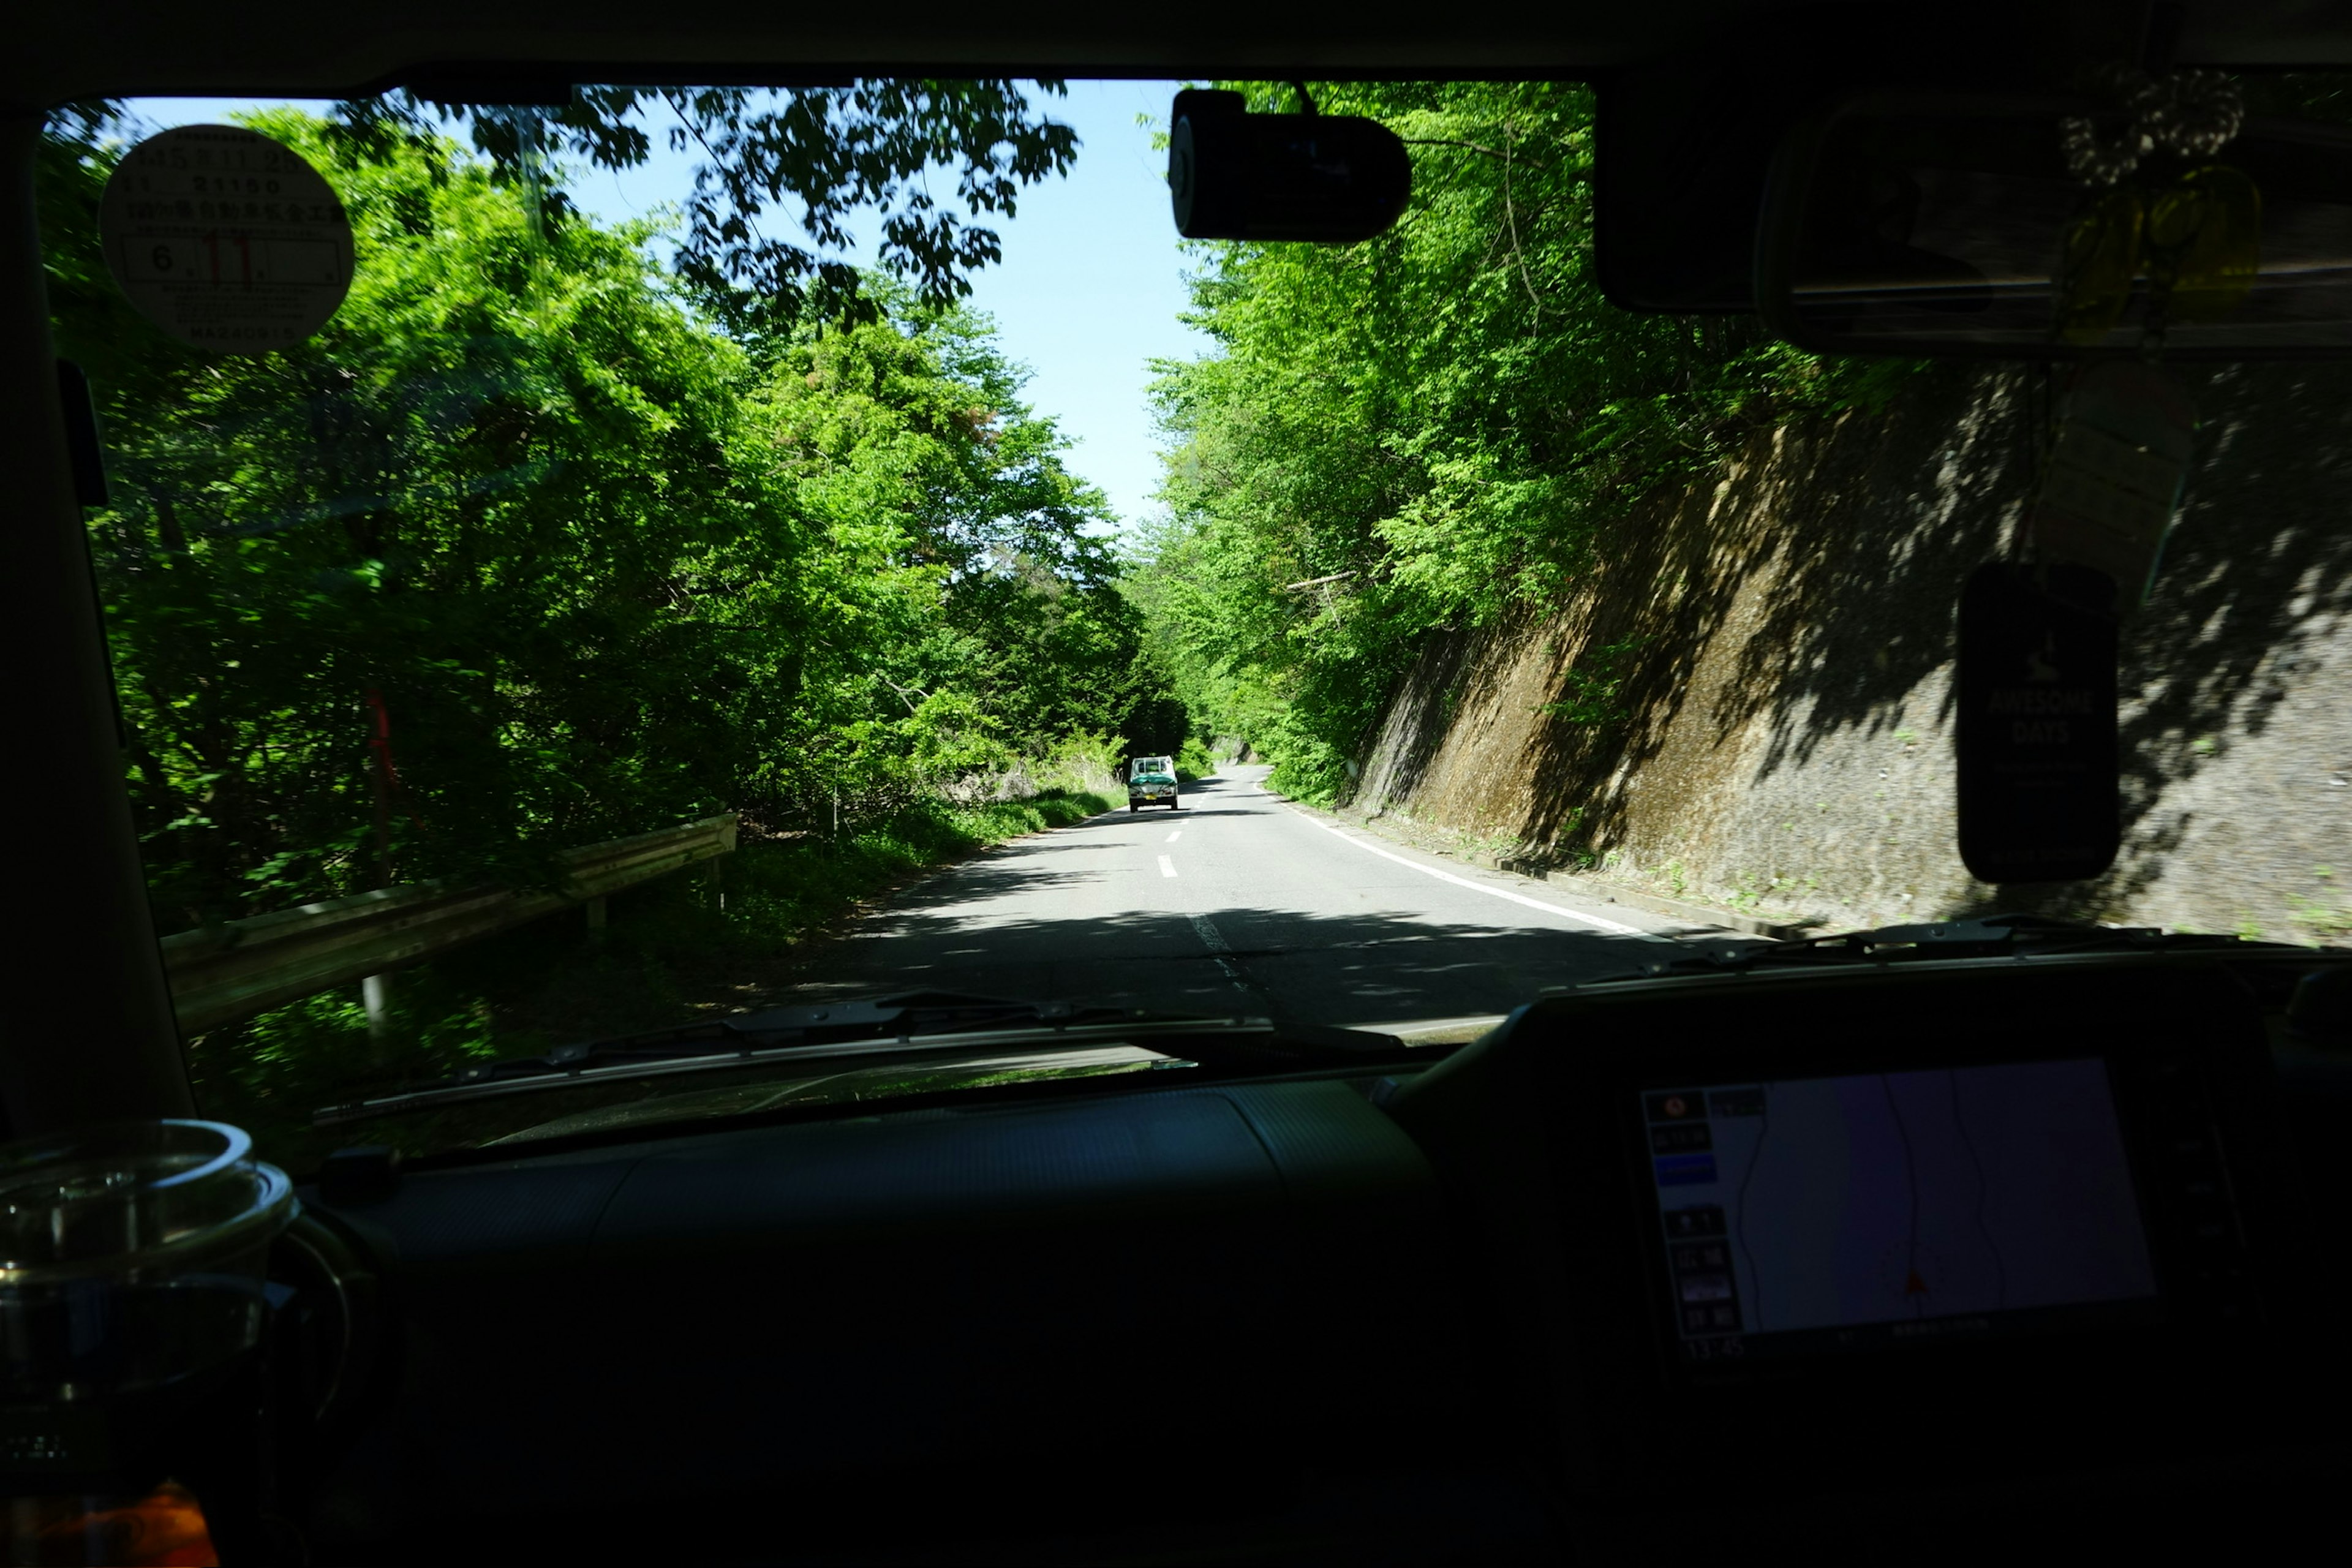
{"points": [[1749, 699], [1450, 536]]}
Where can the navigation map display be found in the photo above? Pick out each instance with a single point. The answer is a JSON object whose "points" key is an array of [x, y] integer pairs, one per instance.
{"points": [[1827, 1213]]}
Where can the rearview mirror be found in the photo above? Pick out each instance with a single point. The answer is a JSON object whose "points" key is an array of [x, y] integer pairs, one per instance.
{"points": [[2057, 228]]}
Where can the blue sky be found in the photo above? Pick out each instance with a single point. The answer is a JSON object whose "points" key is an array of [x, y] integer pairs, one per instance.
{"points": [[1088, 293]]}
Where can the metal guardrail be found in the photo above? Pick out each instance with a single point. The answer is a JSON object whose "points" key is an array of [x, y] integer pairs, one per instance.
{"points": [[242, 967]]}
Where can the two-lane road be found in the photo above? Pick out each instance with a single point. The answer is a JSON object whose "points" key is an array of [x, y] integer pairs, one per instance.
{"points": [[1239, 902]]}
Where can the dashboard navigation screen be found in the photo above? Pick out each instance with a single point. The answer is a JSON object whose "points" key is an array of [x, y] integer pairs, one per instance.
{"points": [[1821, 1215]]}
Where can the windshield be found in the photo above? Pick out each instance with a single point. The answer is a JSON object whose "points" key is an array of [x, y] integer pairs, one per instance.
{"points": [[616, 563]]}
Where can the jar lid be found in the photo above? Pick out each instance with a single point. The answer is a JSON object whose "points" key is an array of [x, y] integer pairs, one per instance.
{"points": [[133, 1198]]}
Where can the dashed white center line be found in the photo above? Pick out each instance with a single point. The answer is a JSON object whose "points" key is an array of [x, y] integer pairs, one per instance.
{"points": [[1214, 941], [1167, 867], [1175, 836]]}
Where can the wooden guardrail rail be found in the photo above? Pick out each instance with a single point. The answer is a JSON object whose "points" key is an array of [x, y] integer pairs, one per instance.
{"points": [[241, 967]]}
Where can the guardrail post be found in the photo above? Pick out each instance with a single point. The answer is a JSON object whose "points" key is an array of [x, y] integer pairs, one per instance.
{"points": [[595, 907], [714, 875], [375, 995]]}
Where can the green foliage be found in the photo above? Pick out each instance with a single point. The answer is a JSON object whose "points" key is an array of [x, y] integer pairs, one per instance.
{"points": [[503, 491], [534, 547], [1082, 765], [1592, 685], [822, 151], [1450, 415], [968, 611], [595, 565]]}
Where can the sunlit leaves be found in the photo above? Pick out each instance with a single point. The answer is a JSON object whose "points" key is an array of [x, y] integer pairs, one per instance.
{"points": [[600, 568], [1450, 414], [779, 175]]}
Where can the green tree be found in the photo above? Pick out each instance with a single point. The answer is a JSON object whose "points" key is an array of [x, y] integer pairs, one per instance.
{"points": [[595, 565], [496, 500], [963, 556], [1447, 419], [827, 152]]}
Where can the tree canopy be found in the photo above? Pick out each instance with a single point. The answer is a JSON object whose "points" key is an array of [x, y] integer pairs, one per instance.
{"points": [[1445, 420], [530, 547], [828, 151]]}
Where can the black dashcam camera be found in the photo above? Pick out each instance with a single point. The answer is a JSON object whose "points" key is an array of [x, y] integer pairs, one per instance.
{"points": [[1232, 175]]}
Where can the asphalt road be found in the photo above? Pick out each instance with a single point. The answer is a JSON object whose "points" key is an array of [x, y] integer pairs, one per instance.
{"points": [[1239, 902]]}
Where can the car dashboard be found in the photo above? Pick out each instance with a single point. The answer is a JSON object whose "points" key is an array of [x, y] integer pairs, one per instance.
{"points": [[1479, 1311]]}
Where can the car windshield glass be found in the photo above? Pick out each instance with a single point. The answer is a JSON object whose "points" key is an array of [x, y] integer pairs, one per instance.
{"points": [[583, 568]]}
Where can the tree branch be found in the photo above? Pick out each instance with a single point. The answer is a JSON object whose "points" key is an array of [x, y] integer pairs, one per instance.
{"points": [[1472, 147]]}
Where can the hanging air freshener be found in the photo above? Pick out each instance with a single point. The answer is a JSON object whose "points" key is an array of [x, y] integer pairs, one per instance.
{"points": [[2114, 475], [2039, 796]]}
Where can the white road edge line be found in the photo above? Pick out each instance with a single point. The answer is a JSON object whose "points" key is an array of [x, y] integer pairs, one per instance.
{"points": [[1597, 922], [1167, 867]]}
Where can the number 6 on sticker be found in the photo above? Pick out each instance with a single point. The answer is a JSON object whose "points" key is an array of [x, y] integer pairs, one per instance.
{"points": [[287, 263]]}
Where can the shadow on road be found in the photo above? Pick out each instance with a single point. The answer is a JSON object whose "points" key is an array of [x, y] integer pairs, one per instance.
{"points": [[983, 927], [1355, 968]]}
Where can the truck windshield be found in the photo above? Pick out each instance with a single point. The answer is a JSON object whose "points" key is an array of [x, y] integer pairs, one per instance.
{"points": [[581, 569]]}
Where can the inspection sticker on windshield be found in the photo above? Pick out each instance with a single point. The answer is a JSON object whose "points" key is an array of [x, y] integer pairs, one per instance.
{"points": [[227, 240]]}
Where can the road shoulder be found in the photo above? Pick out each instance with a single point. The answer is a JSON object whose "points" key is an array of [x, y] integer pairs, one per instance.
{"points": [[1694, 919]]}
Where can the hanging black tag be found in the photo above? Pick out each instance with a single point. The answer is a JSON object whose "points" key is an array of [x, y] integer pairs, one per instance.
{"points": [[2038, 778]]}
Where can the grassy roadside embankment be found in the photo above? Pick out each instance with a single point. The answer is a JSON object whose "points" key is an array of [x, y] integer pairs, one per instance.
{"points": [[672, 951]]}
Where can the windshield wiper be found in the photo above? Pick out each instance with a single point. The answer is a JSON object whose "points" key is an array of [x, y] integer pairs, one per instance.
{"points": [[1986, 936], [881, 1030]]}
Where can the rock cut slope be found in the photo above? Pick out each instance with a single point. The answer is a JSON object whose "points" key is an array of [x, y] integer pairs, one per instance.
{"points": [[1751, 701]]}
